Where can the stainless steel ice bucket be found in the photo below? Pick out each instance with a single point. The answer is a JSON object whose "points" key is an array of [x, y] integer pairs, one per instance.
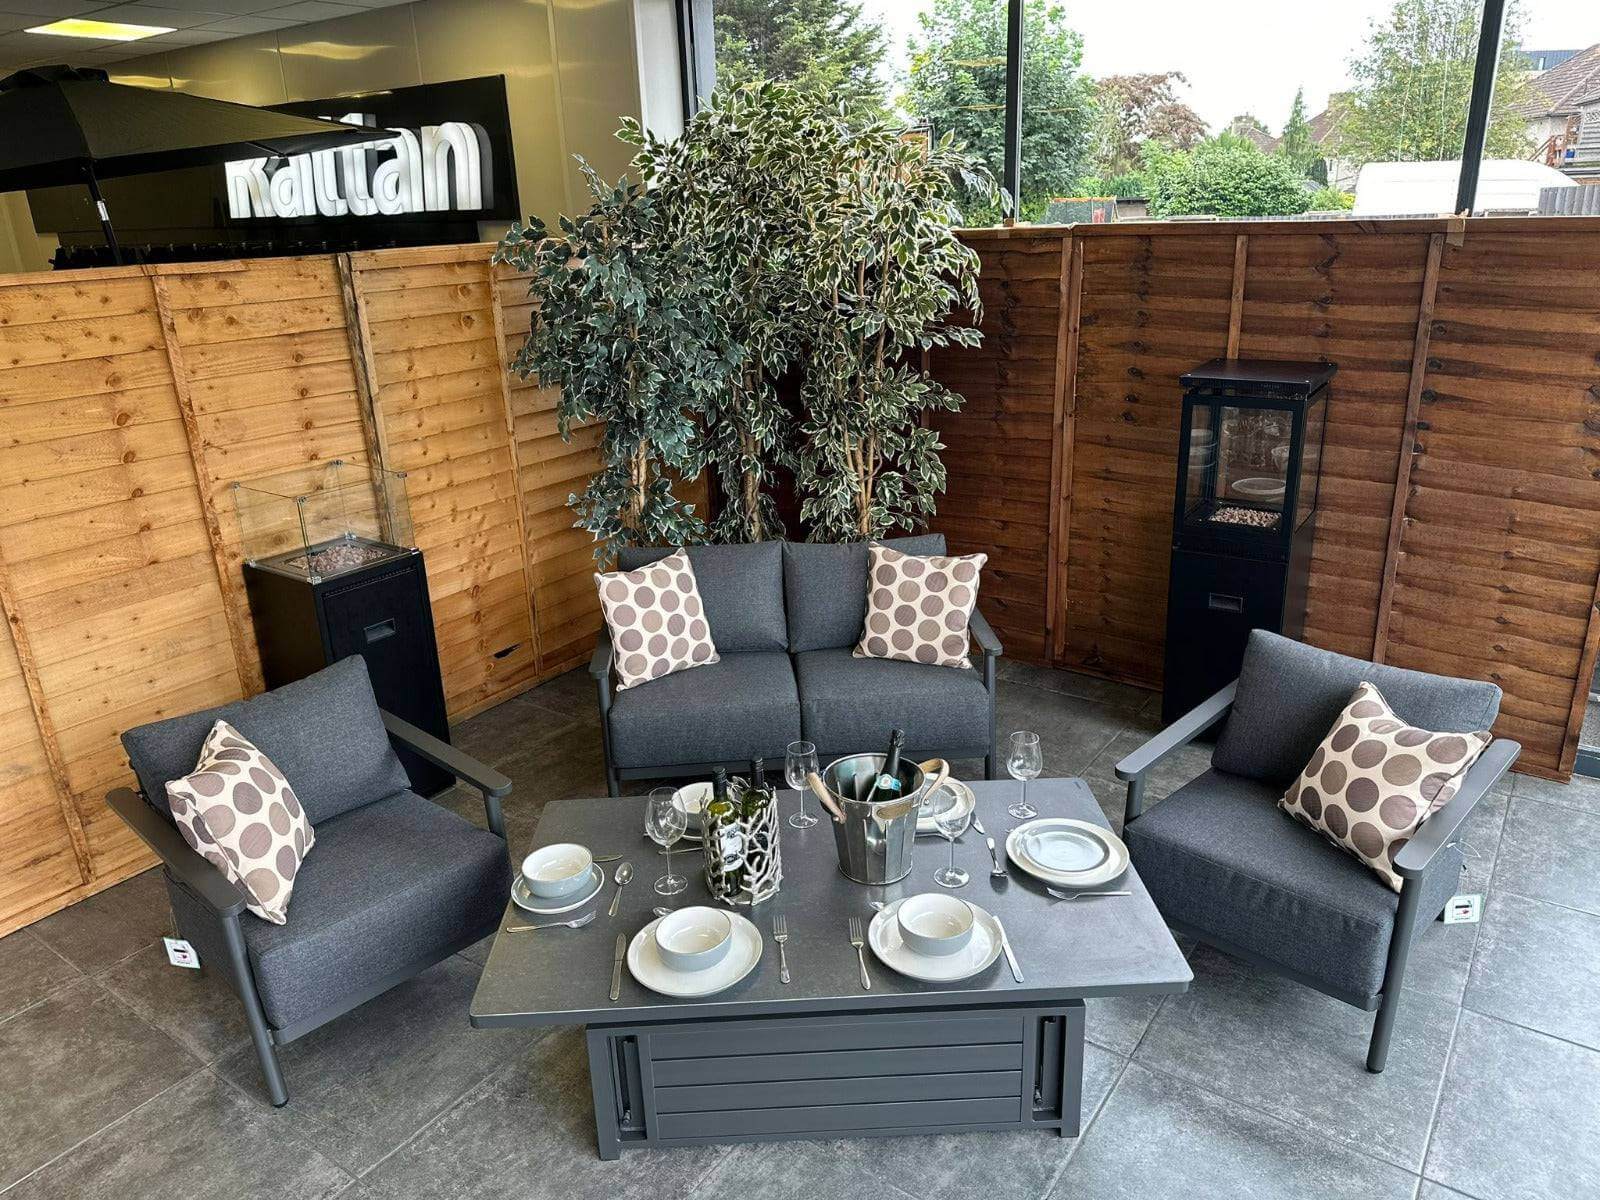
{"points": [[874, 840]]}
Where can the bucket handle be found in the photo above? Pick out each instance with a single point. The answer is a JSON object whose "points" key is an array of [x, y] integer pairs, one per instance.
{"points": [[820, 791], [942, 770]]}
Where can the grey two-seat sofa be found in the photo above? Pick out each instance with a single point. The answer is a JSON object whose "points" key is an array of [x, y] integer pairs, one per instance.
{"points": [[785, 617]]}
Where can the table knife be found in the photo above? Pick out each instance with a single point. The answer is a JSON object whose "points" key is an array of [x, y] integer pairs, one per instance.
{"points": [[622, 953], [1005, 944]]}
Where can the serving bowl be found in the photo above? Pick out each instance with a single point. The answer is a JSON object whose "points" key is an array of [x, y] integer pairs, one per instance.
{"points": [[554, 871], [693, 939], [934, 924]]}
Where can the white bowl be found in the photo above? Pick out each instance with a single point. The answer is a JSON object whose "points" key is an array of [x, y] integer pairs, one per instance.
{"points": [[693, 798], [934, 924], [692, 939], [554, 871]]}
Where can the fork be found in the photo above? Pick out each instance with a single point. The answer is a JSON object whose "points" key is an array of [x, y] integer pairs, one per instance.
{"points": [[576, 923], [1082, 895], [780, 934], [858, 942]]}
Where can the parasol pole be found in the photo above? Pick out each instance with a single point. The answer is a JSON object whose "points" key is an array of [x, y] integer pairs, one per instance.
{"points": [[105, 215]]}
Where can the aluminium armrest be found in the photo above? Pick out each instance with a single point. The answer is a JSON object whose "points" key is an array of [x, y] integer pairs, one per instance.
{"points": [[1177, 735], [604, 654], [464, 767], [186, 866], [984, 635], [1439, 830]]}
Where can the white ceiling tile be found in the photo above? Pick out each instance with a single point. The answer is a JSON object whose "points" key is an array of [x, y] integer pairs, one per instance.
{"points": [[313, 10], [149, 14], [50, 10], [238, 26]]}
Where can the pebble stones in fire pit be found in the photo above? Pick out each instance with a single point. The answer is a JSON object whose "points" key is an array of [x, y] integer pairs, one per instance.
{"points": [[339, 558], [1253, 517]]}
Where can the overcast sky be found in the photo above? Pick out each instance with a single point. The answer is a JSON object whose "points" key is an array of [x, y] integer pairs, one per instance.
{"points": [[1248, 55]]}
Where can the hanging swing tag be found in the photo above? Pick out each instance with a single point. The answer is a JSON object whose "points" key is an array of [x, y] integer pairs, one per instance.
{"points": [[1463, 909], [181, 954]]}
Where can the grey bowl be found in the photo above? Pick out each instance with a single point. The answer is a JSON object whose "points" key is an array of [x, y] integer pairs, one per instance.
{"points": [[688, 938], [934, 924]]}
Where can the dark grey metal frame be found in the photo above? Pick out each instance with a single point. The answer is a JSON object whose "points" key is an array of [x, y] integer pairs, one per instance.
{"points": [[601, 663], [1415, 859], [211, 891], [936, 1087]]}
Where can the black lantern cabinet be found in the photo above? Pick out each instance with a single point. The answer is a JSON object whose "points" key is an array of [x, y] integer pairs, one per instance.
{"points": [[331, 571], [1244, 516]]}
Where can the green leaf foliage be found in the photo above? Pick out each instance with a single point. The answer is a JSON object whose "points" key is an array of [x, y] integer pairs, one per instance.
{"points": [[1226, 176]]}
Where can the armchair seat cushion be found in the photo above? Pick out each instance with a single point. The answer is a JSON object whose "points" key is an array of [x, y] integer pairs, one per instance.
{"points": [[848, 705], [390, 884], [743, 706], [1220, 858]]}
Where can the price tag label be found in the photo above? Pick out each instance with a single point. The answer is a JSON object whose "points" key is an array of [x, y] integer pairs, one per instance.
{"points": [[181, 954], [1464, 909]]}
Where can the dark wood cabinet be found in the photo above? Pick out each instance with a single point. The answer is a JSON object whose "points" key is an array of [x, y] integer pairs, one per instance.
{"points": [[380, 612]]}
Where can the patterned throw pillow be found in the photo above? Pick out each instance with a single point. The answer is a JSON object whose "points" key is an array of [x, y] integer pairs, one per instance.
{"points": [[239, 813], [1375, 779], [657, 622], [918, 608]]}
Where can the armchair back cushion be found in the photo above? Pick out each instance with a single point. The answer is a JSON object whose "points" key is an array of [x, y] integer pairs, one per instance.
{"points": [[324, 732], [826, 589], [740, 586], [1290, 693]]}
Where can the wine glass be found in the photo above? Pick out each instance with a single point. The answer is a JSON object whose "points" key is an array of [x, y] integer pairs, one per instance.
{"points": [[799, 761], [952, 822], [664, 823], [1024, 761]]}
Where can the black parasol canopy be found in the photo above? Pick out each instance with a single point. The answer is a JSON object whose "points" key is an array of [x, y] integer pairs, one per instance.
{"points": [[73, 125]]}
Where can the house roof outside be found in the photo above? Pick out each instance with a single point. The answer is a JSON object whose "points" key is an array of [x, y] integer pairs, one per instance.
{"points": [[1558, 91]]}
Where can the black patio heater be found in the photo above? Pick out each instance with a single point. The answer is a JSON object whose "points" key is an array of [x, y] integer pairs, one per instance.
{"points": [[1245, 513]]}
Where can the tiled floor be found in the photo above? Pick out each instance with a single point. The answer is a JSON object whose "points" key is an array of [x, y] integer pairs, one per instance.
{"points": [[122, 1077]]}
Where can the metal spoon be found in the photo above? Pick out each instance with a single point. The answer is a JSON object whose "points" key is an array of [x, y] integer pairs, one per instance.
{"points": [[659, 911], [996, 870], [575, 923], [624, 873]]}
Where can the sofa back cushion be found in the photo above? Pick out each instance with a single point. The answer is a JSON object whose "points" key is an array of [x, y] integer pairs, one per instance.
{"points": [[1290, 693], [741, 587], [826, 588], [324, 732]]}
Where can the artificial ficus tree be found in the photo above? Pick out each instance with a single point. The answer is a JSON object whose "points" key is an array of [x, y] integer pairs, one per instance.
{"points": [[618, 327], [885, 278]]}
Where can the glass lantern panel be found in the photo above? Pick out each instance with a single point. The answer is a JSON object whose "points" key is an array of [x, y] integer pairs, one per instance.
{"points": [[1202, 457], [1252, 467], [324, 520], [1311, 461]]}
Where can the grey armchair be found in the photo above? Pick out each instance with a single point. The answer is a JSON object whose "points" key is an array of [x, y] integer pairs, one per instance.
{"points": [[394, 883], [1227, 867]]}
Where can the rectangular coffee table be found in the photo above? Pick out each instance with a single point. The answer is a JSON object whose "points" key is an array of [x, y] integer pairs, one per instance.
{"points": [[821, 1057]]}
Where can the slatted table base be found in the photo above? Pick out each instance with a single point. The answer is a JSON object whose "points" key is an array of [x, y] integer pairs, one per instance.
{"points": [[841, 1074]]}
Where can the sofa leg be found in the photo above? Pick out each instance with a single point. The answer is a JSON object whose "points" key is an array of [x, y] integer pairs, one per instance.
{"points": [[613, 787], [988, 767], [1382, 1029], [260, 1035]]}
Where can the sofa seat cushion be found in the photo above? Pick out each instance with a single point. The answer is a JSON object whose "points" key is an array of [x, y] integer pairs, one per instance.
{"points": [[848, 705], [742, 586], [1219, 857], [825, 588], [743, 706], [1290, 693], [390, 884], [324, 732]]}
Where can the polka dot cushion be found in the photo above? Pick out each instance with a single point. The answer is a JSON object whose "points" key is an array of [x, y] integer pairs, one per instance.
{"points": [[657, 622], [239, 813], [918, 608], [1375, 779]]}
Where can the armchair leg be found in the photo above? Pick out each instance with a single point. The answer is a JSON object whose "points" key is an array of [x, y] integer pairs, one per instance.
{"points": [[988, 766], [1405, 922], [266, 1050]]}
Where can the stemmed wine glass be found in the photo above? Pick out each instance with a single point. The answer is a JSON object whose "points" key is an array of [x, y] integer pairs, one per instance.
{"points": [[664, 823], [952, 822], [799, 761], [1024, 761]]}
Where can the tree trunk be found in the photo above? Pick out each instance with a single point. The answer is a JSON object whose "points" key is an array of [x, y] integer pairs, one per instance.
{"points": [[750, 498], [639, 471]]}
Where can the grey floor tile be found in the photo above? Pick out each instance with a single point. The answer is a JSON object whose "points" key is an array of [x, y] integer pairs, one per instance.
{"points": [[796, 1171], [1165, 777], [1539, 965], [109, 926], [1119, 1022], [1517, 1116], [1440, 960], [1437, 1191], [197, 1008], [1072, 731], [361, 1085], [512, 728], [1480, 839], [199, 1140], [1582, 793], [29, 971], [528, 1131], [1285, 1048], [1070, 683], [1158, 1136], [70, 1065], [1548, 852]]}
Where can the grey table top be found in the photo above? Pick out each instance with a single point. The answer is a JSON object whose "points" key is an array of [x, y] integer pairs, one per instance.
{"points": [[1067, 949]]}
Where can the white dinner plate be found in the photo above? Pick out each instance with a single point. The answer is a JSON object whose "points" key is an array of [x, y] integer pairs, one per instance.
{"points": [[1067, 852], [645, 965], [951, 793], [978, 955], [523, 898]]}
